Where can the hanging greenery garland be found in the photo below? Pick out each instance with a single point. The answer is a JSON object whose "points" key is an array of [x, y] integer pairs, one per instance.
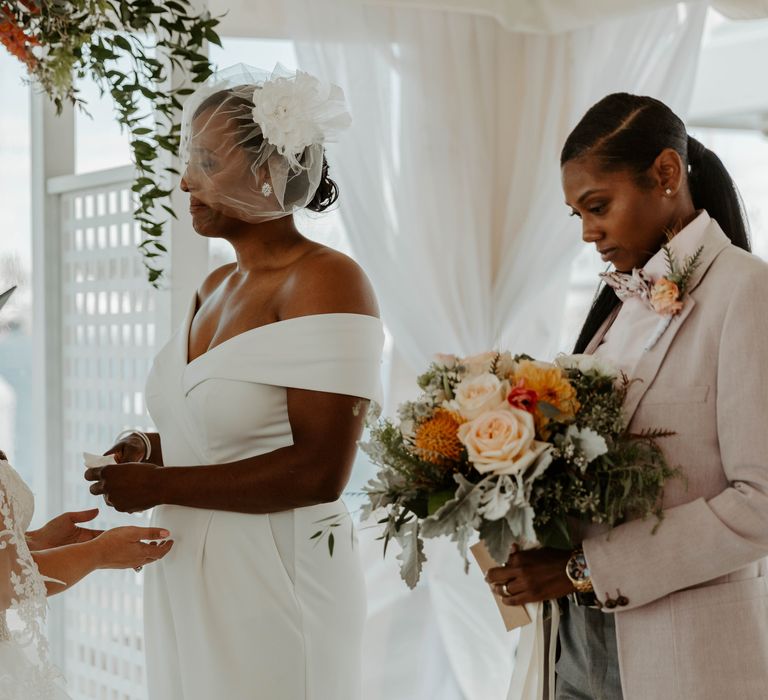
{"points": [[128, 47]]}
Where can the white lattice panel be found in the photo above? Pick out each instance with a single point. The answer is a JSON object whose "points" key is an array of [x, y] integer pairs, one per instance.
{"points": [[108, 338]]}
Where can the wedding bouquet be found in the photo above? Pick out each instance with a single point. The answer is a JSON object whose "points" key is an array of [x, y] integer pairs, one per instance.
{"points": [[510, 448]]}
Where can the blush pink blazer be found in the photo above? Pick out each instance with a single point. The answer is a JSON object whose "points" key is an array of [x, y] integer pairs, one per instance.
{"points": [[694, 625]]}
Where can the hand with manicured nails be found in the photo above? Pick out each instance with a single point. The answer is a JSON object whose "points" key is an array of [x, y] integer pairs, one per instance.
{"points": [[126, 548]]}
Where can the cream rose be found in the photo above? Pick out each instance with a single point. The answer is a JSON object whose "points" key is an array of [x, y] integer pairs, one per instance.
{"points": [[501, 441], [476, 395], [506, 365], [587, 363], [447, 361], [479, 364]]}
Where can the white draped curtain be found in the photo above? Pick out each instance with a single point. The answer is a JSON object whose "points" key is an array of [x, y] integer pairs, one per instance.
{"points": [[551, 16], [451, 198]]}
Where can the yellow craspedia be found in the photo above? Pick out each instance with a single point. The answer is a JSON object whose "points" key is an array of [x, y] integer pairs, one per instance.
{"points": [[437, 439], [549, 383]]}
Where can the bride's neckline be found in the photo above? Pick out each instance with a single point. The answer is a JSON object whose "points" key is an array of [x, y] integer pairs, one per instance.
{"points": [[193, 311]]}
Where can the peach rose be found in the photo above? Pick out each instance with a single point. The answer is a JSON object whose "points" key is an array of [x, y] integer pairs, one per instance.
{"points": [[476, 395], [501, 441], [665, 297]]}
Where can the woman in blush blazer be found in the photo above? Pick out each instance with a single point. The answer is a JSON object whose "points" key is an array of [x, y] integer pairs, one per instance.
{"points": [[682, 613]]}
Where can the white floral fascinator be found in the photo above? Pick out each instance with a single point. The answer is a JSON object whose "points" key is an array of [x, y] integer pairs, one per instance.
{"points": [[253, 141]]}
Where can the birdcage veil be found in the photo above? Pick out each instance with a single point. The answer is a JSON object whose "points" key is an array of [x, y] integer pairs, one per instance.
{"points": [[252, 141]]}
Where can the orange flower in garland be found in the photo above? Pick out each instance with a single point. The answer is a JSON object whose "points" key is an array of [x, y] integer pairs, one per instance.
{"points": [[13, 37], [437, 439]]}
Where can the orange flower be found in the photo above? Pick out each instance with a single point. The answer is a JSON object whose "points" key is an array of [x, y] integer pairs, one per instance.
{"points": [[549, 383], [12, 36], [551, 386], [437, 438], [665, 297]]}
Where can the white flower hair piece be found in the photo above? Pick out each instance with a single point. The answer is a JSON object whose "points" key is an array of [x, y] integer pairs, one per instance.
{"points": [[298, 111]]}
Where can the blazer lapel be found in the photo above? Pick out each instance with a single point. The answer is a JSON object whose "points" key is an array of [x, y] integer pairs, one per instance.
{"points": [[598, 337], [714, 242], [650, 361]]}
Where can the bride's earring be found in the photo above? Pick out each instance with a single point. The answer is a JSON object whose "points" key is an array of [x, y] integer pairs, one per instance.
{"points": [[668, 192], [266, 189]]}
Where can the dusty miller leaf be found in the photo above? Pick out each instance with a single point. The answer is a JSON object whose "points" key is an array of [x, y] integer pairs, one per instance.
{"points": [[454, 516], [498, 538], [412, 557]]}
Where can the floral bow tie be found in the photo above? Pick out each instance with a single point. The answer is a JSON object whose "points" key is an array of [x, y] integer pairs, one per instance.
{"points": [[665, 296], [626, 285]]}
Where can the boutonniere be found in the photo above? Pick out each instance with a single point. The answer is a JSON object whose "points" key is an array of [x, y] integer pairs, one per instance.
{"points": [[666, 296]]}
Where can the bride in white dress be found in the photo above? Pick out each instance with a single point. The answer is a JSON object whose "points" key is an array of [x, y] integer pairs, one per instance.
{"points": [[259, 400], [39, 563]]}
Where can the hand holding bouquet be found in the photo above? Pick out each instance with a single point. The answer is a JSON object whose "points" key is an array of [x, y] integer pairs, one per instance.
{"points": [[510, 448]]}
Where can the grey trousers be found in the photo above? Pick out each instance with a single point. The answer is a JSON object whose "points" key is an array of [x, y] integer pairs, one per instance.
{"points": [[588, 665]]}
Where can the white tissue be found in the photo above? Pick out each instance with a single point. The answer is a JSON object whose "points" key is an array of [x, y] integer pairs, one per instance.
{"points": [[92, 460]]}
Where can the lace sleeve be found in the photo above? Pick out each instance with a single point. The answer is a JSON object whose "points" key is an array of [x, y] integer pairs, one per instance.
{"points": [[22, 588]]}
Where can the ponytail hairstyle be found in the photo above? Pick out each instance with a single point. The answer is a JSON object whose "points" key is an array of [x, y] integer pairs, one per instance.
{"points": [[628, 132]]}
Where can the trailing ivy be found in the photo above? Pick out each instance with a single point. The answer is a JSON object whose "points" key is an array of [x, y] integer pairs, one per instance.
{"points": [[119, 43]]}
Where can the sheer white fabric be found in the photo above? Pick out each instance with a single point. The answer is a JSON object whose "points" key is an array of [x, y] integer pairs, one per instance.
{"points": [[25, 670], [252, 140], [530, 16], [249, 606], [450, 193]]}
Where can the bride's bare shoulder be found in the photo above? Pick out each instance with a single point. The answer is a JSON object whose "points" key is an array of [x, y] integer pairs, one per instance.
{"points": [[213, 280], [327, 281]]}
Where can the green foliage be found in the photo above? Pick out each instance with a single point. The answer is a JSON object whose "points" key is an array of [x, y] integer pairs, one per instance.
{"points": [[387, 448], [627, 481], [455, 513], [594, 470], [80, 38], [326, 531], [412, 556], [681, 276], [498, 537]]}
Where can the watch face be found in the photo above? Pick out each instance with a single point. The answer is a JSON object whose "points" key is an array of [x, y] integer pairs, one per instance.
{"points": [[577, 567]]}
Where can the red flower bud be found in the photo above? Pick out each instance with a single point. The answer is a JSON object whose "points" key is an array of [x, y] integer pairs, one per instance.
{"points": [[525, 399]]}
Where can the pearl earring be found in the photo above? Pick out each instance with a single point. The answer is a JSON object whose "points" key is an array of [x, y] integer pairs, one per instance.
{"points": [[668, 192], [266, 189]]}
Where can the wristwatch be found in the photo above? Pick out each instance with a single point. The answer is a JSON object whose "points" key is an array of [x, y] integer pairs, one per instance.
{"points": [[577, 571]]}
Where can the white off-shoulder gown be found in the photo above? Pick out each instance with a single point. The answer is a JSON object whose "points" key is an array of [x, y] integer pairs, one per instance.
{"points": [[249, 607]]}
